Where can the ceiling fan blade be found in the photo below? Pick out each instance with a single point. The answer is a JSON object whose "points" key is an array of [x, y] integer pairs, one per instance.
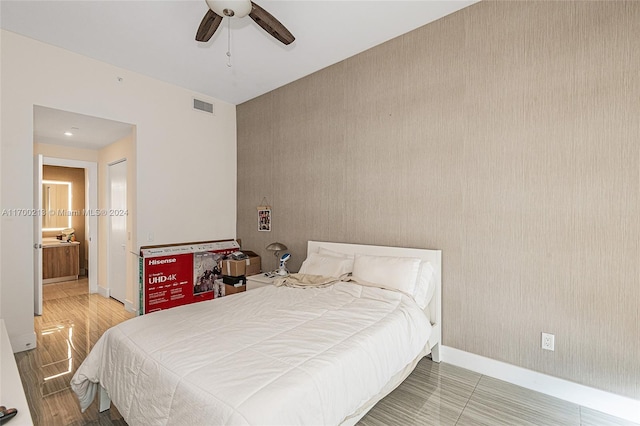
{"points": [[271, 24], [208, 26]]}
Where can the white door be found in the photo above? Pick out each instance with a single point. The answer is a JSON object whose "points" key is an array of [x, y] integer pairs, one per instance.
{"points": [[117, 270], [37, 235]]}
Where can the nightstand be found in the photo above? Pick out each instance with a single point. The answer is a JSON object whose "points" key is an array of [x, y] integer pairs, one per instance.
{"points": [[259, 280]]}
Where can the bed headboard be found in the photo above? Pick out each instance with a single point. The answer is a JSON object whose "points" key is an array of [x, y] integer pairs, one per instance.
{"points": [[434, 309]]}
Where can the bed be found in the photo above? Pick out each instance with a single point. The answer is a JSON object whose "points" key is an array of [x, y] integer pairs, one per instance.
{"points": [[277, 354]]}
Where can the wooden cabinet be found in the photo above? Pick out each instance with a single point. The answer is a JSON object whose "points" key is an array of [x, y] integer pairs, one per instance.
{"points": [[60, 261]]}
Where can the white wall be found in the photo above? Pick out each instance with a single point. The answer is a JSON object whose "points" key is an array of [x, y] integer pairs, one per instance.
{"points": [[1, 136], [185, 160]]}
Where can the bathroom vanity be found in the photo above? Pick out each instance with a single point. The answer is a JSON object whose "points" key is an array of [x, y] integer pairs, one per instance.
{"points": [[60, 260]]}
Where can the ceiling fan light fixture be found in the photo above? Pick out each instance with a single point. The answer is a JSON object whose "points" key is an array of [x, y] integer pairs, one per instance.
{"points": [[230, 8], [218, 9]]}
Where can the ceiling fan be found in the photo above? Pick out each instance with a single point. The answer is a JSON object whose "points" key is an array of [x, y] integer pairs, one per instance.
{"points": [[239, 9]]}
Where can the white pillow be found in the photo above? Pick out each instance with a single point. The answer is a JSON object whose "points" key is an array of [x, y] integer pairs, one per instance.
{"points": [[326, 265], [425, 285], [395, 273]]}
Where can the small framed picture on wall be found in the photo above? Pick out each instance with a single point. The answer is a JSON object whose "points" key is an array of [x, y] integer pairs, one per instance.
{"points": [[264, 219]]}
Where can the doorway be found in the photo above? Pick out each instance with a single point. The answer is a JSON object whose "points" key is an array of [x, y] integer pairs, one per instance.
{"points": [[90, 239], [68, 139]]}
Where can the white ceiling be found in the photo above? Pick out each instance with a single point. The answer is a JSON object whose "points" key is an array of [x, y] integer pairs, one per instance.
{"points": [[157, 38], [49, 126]]}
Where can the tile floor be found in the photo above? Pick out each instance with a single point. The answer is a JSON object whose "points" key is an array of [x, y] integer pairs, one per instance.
{"points": [[443, 394], [71, 323]]}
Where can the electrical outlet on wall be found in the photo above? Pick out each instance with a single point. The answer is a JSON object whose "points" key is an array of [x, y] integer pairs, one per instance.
{"points": [[548, 341]]}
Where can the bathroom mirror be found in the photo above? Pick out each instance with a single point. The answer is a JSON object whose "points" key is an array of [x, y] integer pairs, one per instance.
{"points": [[56, 202]]}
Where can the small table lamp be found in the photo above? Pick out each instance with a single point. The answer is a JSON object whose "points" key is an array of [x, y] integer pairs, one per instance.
{"points": [[276, 248]]}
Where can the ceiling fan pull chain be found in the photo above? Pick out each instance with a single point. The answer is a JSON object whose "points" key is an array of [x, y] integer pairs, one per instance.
{"points": [[229, 64]]}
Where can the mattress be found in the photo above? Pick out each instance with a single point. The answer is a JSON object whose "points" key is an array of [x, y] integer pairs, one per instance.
{"points": [[274, 355]]}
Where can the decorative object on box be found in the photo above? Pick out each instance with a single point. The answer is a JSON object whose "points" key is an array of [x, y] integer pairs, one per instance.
{"points": [[238, 255], [276, 248], [282, 269], [264, 216]]}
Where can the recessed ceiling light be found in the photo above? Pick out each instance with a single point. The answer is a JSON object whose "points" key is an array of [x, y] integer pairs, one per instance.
{"points": [[68, 134]]}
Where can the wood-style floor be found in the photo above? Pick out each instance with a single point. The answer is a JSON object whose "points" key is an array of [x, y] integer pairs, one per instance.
{"points": [[434, 394], [72, 321]]}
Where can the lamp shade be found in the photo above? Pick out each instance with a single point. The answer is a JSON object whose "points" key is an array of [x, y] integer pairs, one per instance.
{"points": [[276, 247]]}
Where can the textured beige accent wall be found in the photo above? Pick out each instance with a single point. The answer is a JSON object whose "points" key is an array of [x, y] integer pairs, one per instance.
{"points": [[506, 135]]}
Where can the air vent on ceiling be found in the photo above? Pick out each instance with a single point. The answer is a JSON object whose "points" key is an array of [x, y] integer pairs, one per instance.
{"points": [[202, 106]]}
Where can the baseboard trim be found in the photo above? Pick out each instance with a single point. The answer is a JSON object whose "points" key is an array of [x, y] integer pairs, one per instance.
{"points": [[23, 342], [104, 292], [128, 306], [606, 402]]}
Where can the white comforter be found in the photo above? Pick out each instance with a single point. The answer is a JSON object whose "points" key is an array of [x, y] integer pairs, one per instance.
{"points": [[274, 355]]}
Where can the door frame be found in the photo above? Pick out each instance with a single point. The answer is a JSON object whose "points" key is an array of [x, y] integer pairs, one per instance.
{"points": [[37, 235], [108, 235]]}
